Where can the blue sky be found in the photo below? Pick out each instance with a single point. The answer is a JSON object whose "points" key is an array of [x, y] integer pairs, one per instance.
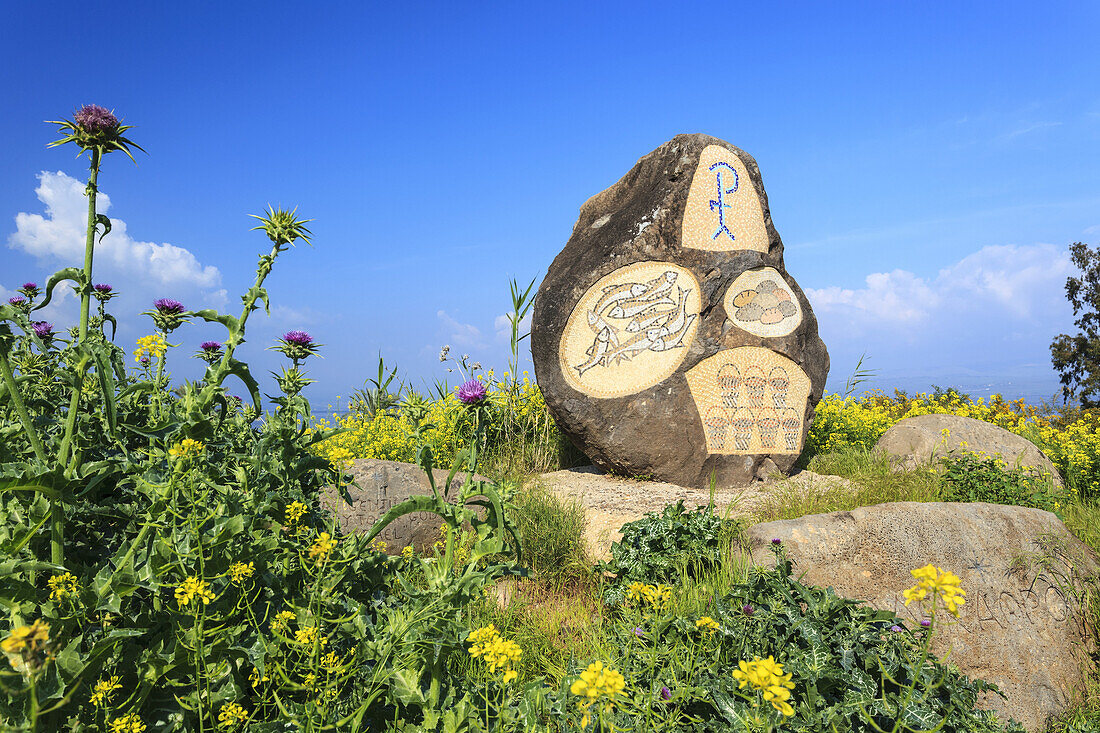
{"points": [[927, 164]]}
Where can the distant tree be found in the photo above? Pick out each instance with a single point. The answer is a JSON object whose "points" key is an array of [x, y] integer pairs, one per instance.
{"points": [[1077, 358]]}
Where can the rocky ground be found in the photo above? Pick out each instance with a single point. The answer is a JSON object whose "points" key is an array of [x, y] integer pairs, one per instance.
{"points": [[611, 501]]}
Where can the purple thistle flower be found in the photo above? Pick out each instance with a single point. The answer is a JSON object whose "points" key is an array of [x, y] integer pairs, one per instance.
{"points": [[298, 338], [93, 118], [168, 307], [896, 629], [747, 609], [103, 288], [666, 694], [42, 329], [30, 286], [638, 632], [17, 300], [471, 392], [926, 623], [777, 541], [211, 346]]}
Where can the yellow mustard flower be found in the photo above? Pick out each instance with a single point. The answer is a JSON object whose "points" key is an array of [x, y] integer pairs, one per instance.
{"points": [[238, 571], [150, 348], [294, 512], [129, 723], [321, 548], [26, 640], [186, 449], [63, 586], [231, 716], [307, 635], [597, 685], [378, 545], [256, 678], [938, 583], [104, 690], [407, 552], [707, 625], [282, 618], [192, 589], [767, 678]]}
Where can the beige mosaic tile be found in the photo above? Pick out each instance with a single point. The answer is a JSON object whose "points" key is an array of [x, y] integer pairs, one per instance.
{"points": [[760, 302], [723, 211], [751, 401], [631, 329]]}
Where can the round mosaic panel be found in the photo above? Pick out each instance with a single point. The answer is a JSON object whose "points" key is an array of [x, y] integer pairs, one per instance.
{"points": [[631, 329], [761, 302], [751, 401], [723, 210]]}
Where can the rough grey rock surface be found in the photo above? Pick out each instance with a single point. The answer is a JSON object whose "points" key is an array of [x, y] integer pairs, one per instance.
{"points": [[382, 485], [609, 502], [1020, 627], [658, 431], [920, 439]]}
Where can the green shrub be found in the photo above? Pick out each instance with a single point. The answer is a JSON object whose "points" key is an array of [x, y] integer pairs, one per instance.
{"points": [[970, 477], [661, 548]]}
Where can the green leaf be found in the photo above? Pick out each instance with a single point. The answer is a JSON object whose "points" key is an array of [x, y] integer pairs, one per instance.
{"points": [[106, 222], [406, 687], [107, 386], [409, 506], [69, 273], [212, 316]]}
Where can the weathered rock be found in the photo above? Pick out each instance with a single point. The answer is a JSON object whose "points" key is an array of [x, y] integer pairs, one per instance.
{"points": [[668, 338], [383, 485], [1020, 627], [917, 440]]}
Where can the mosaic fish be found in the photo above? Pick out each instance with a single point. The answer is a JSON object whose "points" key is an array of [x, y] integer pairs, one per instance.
{"points": [[596, 352]]}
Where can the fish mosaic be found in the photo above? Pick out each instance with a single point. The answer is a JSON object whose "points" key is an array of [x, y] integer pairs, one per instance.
{"points": [[630, 328]]}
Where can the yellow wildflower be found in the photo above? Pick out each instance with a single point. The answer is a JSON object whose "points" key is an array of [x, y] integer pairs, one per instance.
{"points": [[597, 685], [63, 586], [308, 634], [186, 448], [937, 582], [282, 618], [231, 716], [294, 512], [407, 552], [104, 689], [150, 347], [378, 545], [191, 589], [321, 548], [257, 679], [25, 643], [238, 571], [707, 625], [766, 677], [129, 723]]}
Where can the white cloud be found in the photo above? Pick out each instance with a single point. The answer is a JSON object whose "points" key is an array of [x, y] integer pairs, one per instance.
{"points": [[459, 334], [998, 282], [60, 235]]}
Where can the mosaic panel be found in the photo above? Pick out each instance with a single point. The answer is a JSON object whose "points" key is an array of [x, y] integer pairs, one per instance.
{"points": [[631, 329], [751, 400], [723, 210], [761, 302]]}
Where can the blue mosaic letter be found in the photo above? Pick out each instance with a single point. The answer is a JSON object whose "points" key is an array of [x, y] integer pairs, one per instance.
{"points": [[720, 204]]}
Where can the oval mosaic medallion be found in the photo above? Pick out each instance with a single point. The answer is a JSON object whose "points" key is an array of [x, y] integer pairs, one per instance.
{"points": [[761, 302], [631, 329]]}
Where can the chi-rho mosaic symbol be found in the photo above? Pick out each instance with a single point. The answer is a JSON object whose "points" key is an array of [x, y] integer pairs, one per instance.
{"points": [[631, 329], [723, 211], [751, 400]]}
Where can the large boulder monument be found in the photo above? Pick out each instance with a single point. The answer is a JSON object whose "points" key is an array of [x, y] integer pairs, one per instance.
{"points": [[667, 337]]}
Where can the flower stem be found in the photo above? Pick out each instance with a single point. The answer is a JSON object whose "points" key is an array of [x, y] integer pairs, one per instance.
{"points": [[20, 408]]}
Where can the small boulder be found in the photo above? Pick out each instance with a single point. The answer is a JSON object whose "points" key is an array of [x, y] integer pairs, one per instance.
{"points": [[383, 485], [1021, 626], [921, 440]]}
